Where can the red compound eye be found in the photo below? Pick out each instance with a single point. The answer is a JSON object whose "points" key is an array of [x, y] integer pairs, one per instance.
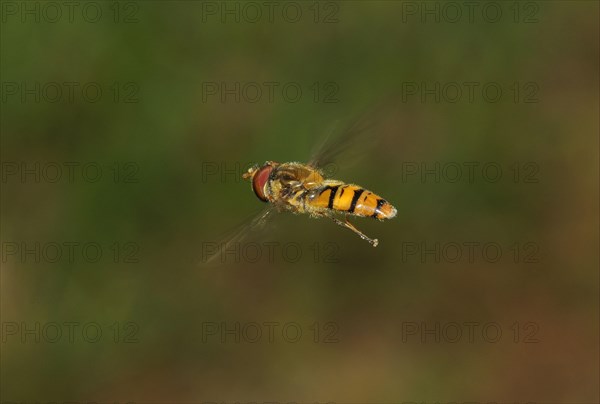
{"points": [[260, 179]]}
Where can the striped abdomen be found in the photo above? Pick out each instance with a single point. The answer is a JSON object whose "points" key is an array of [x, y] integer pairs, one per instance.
{"points": [[352, 199]]}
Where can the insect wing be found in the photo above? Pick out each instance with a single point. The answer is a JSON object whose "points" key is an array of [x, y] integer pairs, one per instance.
{"points": [[252, 225], [353, 138]]}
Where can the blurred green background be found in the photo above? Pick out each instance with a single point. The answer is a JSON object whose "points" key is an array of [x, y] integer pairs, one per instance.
{"points": [[156, 125]]}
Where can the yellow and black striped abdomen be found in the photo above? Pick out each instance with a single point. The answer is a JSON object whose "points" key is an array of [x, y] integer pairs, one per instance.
{"points": [[352, 199]]}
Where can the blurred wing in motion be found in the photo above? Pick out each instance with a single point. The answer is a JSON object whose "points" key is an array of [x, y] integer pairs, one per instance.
{"points": [[213, 253], [351, 141]]}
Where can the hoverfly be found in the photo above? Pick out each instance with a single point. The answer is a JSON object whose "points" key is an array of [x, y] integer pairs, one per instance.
{"points": [[304, 188]]}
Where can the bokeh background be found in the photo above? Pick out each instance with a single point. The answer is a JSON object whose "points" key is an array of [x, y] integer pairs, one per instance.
{"points": [[163, 143]]}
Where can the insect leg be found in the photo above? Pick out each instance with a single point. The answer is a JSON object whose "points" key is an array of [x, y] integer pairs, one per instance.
{"points": [[348, 225]]}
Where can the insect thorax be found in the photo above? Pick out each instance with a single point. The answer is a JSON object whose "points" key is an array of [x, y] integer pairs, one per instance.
{"points": [[289, 180]]}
